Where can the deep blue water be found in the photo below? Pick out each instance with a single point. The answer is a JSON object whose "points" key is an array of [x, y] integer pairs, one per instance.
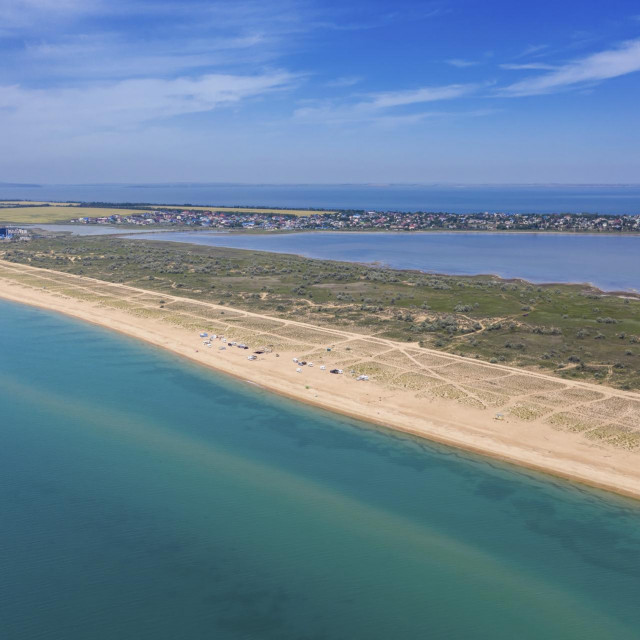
{"points": [[450, 198], [610, 262], [144, 497]]}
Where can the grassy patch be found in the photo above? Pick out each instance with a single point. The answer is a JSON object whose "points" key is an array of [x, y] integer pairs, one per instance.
{"points": [[55, 213]]}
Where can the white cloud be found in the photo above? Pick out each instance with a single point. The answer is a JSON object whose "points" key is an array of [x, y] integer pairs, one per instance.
{"points": [[187, 44], [528, 66], [53, 41], [129, 103], [389, 120], [461, 64], [532, 49], [594, 68], [415, 96], [345, 81], [378, 107], [57, 6], [110, 57], [24, 14]]}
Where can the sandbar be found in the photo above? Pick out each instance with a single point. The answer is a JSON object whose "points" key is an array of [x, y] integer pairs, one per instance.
{"points": [[579, 431]]}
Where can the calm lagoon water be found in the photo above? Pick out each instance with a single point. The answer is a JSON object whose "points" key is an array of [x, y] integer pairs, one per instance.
{"points": [[400, 197], [610, 262], [87, 230], [144, 497]]}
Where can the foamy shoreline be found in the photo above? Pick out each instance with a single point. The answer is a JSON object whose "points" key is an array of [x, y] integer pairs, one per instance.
{"points": [[534, 445]]}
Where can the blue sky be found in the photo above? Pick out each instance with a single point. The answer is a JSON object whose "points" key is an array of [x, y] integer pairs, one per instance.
{"points": [[465, 91]]}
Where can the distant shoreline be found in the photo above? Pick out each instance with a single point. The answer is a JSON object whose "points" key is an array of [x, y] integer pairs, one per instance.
{"points": [[132, 228]]}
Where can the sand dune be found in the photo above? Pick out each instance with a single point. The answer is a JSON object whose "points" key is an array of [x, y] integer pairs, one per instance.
{"points": [[576, 430]]}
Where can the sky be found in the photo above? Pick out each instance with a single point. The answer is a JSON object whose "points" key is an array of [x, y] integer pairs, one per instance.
{"points": [[320, 91]]}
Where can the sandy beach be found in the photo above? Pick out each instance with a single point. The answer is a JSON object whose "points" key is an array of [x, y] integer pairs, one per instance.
{"points": [[579, 431]]}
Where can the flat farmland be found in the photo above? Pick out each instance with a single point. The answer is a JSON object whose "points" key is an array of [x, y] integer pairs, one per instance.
{"points": [[56, 213], [290, 212], [36, 203]]}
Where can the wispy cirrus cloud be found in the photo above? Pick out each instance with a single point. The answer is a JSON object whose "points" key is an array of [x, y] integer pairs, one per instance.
{"points": [[97, 39], [109, 57], [387, 99], [532, 49], [527, 66], [464, 63], [594, 68], [19, 17], [130, 103], [382, 106], [13, 9], [345, 81], [461, 64]]}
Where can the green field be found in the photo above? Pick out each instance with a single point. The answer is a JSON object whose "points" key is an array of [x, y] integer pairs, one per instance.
{"points": [[26, 212], [34, 203], [569, 330], [290, 212], [57, 213]]}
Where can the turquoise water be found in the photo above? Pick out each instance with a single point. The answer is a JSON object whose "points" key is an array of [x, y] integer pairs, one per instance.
{"points": [[144, 497], [610, 262]]}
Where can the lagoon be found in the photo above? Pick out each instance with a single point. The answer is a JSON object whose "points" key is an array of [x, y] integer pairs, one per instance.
{"points": [[145, 497], [610, 262]]}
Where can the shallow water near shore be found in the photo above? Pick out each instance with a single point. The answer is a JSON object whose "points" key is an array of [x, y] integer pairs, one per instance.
{"points": [[142, 496]]}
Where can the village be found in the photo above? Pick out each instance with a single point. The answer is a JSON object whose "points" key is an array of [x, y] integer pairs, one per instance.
{"points": [[370, 220]]}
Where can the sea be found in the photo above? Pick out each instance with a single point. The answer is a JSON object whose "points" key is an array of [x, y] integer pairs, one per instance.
{"points": [[608, 261], [143, 496], [603, 199]]}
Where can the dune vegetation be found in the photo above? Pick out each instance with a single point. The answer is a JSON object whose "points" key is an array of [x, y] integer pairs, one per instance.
{"points": [[572, 331]]}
